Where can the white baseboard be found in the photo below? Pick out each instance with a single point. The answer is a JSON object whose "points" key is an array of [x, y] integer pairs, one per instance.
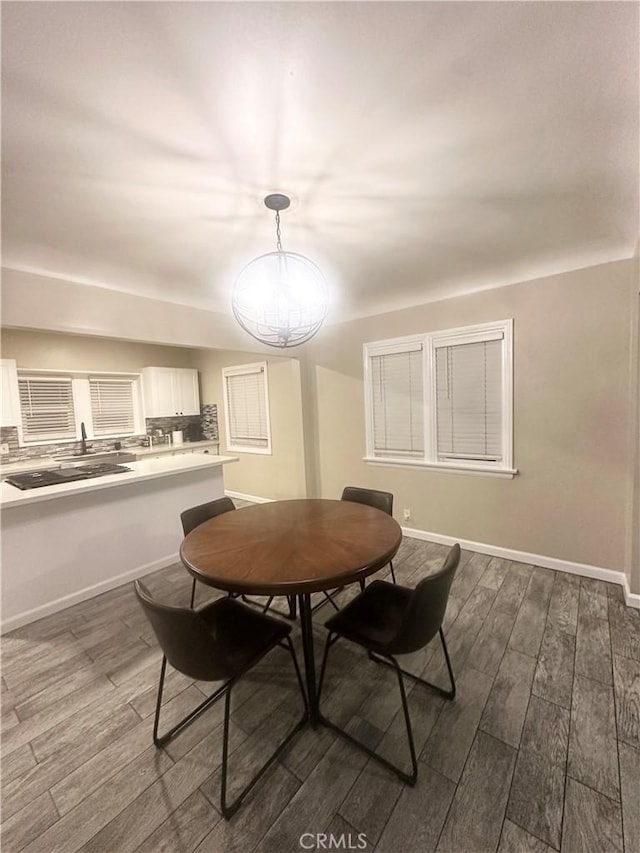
{"points": [[587, 571], [631, 599], [82, 595], [251, 498]]}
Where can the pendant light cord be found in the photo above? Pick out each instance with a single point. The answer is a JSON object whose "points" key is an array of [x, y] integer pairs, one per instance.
{"points": [[278, 241]]}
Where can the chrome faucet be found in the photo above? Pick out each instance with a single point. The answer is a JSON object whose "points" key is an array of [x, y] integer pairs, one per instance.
{"points": [[83, 443]]}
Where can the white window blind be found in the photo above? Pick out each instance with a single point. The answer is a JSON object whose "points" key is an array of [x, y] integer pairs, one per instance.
{"points": [[46, 406], [397, 403], [469, 400], [442, 399], [112, 406], [247, 409]]}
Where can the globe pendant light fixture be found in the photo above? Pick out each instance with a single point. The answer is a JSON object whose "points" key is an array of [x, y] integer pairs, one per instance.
{"points": [[280, 298]]}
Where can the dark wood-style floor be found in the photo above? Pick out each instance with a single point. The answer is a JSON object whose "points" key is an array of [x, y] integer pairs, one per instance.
{"points": [[539, 751]]}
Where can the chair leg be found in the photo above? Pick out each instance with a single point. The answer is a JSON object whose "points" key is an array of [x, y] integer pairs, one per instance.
{"points": [[329, 598], [448, 694], [226, 811], [193, 593], [229, 809], [413, 778], [268, 604], [265, 607], [409, 778], [160, 740]]}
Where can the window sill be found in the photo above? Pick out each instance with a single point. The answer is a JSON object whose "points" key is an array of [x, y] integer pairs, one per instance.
{"points": [[261, 451], [448, 467]]}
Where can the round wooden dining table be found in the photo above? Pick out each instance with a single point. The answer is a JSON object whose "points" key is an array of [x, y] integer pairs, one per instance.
{"points": [[292, 548]]}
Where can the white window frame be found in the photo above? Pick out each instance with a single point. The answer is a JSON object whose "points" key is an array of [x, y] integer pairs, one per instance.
{"points": [[236, 370], [429, 342], [50, 436], [82, 404], [103, 382]]}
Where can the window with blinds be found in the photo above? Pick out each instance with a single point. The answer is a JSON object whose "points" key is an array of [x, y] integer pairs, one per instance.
{"points": [[247, 408], [53, 405], [442, 399], [112, 406], [47, 408], [397, 403], [468, 397]]}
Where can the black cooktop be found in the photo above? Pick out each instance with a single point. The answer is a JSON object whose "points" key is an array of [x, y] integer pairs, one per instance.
{"points": [[36, 479]]}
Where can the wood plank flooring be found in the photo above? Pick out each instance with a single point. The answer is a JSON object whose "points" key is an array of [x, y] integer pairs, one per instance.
{"points": [[540, 750]]}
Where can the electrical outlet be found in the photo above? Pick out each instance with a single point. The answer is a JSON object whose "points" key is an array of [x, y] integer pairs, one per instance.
{"points": [[4, 448], [407, 514]]}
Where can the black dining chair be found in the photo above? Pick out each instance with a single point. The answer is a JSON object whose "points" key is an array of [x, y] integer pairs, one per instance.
{"points": [[219, 642], [388, 620], [371, 497], [197, 515]]}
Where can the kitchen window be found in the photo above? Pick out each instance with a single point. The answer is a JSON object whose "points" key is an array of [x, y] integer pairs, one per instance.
{"points": [[246, 408], [53, 405], [47, 408], [112, 406], [442, 400]]}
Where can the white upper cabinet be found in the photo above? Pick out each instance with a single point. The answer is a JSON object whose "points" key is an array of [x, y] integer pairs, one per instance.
{"points": [[159, 401], [186, 391], [10, 404], [170, 391]]}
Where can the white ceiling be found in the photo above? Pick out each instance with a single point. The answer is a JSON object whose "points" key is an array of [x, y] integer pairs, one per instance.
{"points": [[429, 148]]}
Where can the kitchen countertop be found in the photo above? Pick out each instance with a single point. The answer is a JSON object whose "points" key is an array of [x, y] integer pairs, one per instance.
{"points": [[26, 465], [171, 448], [144, 469], [36, 463]]}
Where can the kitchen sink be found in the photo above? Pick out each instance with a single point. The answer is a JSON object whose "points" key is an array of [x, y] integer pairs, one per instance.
{"points": [[116, 456]]}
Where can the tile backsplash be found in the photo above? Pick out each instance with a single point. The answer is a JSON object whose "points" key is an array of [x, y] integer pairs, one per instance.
{"points": [[192, 427]]}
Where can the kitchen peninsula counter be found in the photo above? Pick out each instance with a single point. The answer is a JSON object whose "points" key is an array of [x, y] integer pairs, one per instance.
{"points": [[144, 469], [34, 463], [65, 543]]}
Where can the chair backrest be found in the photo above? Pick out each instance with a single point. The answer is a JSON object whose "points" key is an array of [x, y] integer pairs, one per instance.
{"points": [[370, 497], [426, 611], [194, 517], [183, 635]]}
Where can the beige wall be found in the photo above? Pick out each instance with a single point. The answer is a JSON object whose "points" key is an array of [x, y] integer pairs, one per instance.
{"points": [[282, 474], [30, 301], [571, 419], [78, 352], [632, 555]]}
